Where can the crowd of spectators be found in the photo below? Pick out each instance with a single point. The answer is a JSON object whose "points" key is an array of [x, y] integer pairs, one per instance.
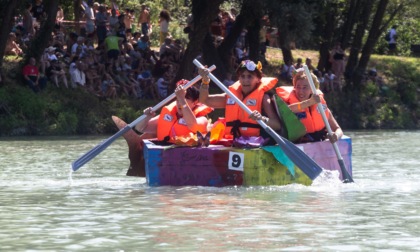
{"points": [[111, 55], [108, 57]]}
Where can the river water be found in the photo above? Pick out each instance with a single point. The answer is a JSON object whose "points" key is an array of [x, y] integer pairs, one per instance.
{"points": [[43, 207]]}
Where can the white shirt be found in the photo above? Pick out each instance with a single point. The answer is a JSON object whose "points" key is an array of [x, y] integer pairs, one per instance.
{"points": [[78, 77], [164, 25], [392, 34]]}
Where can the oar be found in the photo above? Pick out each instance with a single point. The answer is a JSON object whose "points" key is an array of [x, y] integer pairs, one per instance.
{"points": [[104, 144], [345, 174], [296, 155]]}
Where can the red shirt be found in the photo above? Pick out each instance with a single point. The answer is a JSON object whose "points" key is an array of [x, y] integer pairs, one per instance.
{"points": [[30, 70]]}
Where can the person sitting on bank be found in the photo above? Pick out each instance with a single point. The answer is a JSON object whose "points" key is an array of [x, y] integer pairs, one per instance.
{"points": [[32, 76], [180, 118], [250, 88], [303, 103]]}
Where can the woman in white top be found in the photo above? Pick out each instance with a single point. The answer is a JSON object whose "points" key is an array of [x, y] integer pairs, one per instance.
{"points": [[164, 19]]}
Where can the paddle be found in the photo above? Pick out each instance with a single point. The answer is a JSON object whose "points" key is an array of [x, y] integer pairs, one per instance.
{"points": [[345, 174], [296, 155], [103, 145]]}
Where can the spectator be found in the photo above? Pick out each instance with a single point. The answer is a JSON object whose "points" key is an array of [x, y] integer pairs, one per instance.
{"points": [[308, 63], [47, 57], [287, 71], [79, 45], [12, 48], [228, 80], [144, 20], [90, 19], [55, 73], [162, 84], [59, 40], [337, 60], [101, 20], [240, 52], [28, 24], [392, 43], [38, 10], [128, 20], [228, 21], [112, 47], [78, 76], [120, 27], [113, 21], [216, 26], [164, 19], [109, 87], [298, 64], [32, 77], [59, 18]]}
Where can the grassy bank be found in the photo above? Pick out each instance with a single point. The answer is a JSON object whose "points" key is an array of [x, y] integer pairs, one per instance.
{"points": [[60, 111]]}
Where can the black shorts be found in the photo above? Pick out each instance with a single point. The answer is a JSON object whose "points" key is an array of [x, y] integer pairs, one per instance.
{"points": [[113, 54], [392, 46]]}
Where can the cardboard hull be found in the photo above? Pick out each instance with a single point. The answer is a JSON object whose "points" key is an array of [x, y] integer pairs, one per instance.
{"points": [[219, 166]]}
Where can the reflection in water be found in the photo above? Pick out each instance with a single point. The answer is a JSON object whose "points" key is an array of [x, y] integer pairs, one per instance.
{"points": [[45, 207]]}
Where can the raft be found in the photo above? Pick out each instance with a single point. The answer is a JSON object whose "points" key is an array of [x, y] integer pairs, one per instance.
{"points": [[218, 166]]}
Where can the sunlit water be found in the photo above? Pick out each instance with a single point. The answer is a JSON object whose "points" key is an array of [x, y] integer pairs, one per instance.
{"points": [[43, 207]]}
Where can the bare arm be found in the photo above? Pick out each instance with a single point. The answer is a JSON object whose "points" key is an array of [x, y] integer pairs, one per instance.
{"points": [[193, 123], [301, 106], [335, 128], [149, 125], [273, 118], [215, 100]]}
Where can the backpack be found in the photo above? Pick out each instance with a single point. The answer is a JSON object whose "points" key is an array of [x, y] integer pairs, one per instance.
{"points": [[388, 36]]}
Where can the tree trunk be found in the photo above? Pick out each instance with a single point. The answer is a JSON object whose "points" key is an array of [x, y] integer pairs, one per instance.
{"points": [[363, 21], [203, 12], [372, 39], [43, 36], [77, 9], [354, 6], [226, 49], [6, 25], [327, 37]]}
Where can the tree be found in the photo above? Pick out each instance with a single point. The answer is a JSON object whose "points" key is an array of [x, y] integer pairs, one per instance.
{"points": [[294, 20], [203, 12], [7, 14], [43, 36]]}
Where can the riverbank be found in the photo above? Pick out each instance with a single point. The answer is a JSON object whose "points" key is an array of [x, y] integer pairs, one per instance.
{"points": [[58, 111]]}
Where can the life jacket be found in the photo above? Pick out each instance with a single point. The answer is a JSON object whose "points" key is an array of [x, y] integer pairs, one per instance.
{"points": [[310, 117], [169, 125], [238, 122]]}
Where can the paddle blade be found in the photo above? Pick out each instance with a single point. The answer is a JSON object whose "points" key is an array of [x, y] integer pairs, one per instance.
{"points": [[97, 149], [344, 173], [296, 155]]}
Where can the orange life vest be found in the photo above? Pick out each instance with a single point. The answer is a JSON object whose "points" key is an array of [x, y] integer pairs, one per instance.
{"points": [[238, 122], [311, 116], [170, 125]]}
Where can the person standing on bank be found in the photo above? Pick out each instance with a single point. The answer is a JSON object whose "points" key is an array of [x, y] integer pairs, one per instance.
{"points": [[251, 88], [392, 43]]}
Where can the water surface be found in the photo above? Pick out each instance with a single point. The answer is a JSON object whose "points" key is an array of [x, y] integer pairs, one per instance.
{"points": [[43, 207]]}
